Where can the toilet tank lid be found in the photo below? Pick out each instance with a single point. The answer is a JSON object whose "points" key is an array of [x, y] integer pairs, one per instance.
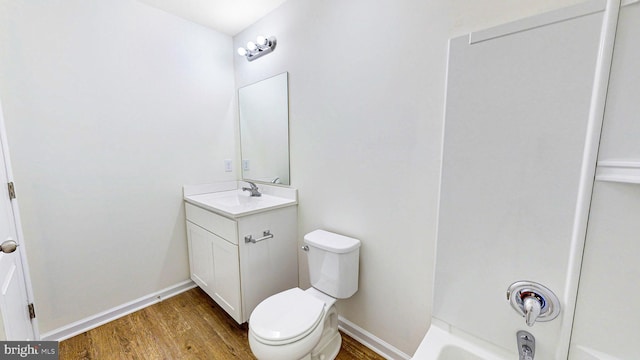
{"points": [[332, 242]]}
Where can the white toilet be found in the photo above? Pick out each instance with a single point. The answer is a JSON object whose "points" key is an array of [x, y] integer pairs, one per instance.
{"points": [[303, 324]]}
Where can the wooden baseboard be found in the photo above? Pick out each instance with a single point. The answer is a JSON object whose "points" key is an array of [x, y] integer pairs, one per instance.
{"points": [[371, 341], [104, 317]]}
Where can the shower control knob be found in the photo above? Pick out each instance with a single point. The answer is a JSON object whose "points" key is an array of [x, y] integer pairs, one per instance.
{"points": [[532, 308], [533, 301]]}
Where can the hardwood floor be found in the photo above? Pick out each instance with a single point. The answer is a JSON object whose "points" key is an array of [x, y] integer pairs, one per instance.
{"points": [[186, 326]]}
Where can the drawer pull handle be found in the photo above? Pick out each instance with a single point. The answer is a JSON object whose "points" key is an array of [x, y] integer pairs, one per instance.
{"points": [[265, 235]]}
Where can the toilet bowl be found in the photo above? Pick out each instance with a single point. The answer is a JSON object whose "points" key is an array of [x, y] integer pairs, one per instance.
{"points": [[303, 324], [291, 325]]}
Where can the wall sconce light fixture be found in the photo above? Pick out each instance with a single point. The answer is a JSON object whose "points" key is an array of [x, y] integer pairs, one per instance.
{"points": [[262, 46]]}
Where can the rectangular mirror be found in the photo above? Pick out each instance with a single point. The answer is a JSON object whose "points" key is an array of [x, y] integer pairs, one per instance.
{"points": [[264, 130]]}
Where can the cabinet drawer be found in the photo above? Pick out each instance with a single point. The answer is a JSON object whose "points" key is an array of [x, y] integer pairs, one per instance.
{"points": [[219, 225]]}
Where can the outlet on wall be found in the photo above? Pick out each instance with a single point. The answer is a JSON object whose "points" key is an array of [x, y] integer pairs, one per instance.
{"points": [[245, 165], [227, 165]]}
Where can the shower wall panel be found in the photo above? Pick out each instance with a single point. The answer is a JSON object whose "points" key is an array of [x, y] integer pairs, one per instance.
{"points": [[518, 103], [607, 321]]}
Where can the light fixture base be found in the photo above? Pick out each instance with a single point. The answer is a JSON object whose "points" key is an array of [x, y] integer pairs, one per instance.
{"points": [[260, 49]]}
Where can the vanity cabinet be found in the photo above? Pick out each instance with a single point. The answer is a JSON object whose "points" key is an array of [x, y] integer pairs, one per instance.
{"points": [[239, 274]]}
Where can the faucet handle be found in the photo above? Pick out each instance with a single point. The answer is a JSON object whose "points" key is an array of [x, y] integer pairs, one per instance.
{"points": [[533, 301], [532, 308], [253, 188]]}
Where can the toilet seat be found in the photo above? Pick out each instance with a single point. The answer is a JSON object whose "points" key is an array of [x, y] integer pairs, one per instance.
{"points": [[286, 317]]}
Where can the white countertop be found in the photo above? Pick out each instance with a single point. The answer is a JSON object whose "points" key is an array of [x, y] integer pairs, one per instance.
{"points": [[236, 203]]}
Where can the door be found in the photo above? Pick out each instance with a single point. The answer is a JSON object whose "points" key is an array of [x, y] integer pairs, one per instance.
{"points": [[14, 313]]}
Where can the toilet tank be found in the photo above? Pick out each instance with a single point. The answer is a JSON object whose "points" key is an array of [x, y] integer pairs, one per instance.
{"points": [[333, 263]]}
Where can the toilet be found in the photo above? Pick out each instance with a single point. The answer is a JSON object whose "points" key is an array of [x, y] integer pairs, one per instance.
{"points": [[303, 324]]}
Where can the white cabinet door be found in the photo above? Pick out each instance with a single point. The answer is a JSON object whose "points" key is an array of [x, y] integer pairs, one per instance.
{"points": [[268, 266], [226, 269], [215, 267], [201, 256]]}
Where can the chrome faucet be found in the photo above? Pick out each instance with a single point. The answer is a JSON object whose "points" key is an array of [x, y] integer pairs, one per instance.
{"points": [[253, 189], [526, 345], [533, 301]]}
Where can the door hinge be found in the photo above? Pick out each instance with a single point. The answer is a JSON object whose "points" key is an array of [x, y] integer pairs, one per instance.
{"points": [[12, 191], [32, 311]]}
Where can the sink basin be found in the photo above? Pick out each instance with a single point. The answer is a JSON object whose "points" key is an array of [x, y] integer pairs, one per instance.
{"points": [[236, 203]]}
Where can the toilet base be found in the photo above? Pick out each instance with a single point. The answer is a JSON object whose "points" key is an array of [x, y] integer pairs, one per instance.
{"points": [[331, 340], [328, 348]]}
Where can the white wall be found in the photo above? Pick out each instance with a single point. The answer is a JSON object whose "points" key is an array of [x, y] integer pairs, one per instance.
{"points": [[366, 108], [110, 107]]}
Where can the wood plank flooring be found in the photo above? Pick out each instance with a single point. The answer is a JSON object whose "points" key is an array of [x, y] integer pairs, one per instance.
{"points": [[187, 326]]}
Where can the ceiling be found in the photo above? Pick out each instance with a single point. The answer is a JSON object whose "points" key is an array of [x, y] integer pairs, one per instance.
{"points": [[226, 16]]}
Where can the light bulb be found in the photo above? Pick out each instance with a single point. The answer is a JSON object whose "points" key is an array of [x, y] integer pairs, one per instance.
{"points": [[251, 46], [242, 51], [261, 40]]}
